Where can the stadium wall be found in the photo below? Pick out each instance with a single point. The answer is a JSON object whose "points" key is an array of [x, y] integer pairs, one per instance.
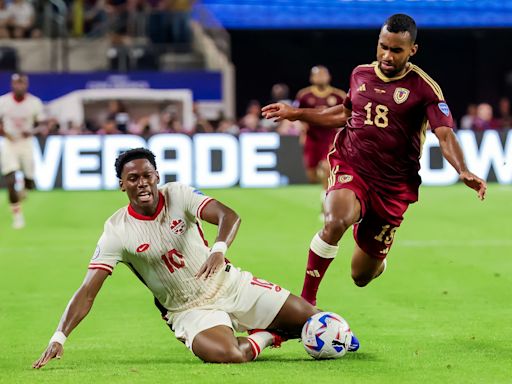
{"points": [[252, 160]]}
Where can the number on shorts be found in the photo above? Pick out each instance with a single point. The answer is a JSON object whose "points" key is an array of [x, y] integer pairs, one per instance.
{"points": [[386, 235], [265, 284]]}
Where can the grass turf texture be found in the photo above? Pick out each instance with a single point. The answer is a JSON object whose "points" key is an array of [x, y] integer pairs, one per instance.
{"points": [[441, 312]]}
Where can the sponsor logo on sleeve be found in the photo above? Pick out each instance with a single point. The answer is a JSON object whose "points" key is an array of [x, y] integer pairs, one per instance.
{"points": [[401, 95], [443, 107], [198, 192], [362, 88]]}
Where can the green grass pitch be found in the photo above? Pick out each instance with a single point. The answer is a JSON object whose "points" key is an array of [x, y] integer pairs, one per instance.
{"points": [[440, 314]]}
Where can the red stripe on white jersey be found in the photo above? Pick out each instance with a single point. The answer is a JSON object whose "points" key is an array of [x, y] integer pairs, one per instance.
{"points": [[102, 264], [201, 207], [100, 267], [201, 233]]}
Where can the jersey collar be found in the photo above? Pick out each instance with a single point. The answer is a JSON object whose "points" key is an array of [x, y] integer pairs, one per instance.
{"points": [[159, 207], [386, 79]]}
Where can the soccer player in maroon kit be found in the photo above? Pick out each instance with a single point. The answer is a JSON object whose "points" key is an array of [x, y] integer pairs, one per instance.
{"points": [[375, 162], [318, 140]]}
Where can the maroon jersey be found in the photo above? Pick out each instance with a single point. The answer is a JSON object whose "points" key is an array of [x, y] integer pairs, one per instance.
{"points": [[313, 97], [382, 140]]}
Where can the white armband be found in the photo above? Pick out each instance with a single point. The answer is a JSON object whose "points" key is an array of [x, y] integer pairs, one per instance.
{"points": [[58, 337], [219, 246]]}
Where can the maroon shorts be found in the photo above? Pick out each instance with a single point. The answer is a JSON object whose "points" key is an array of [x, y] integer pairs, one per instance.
{"points": [[381, 214], [315, 152]]}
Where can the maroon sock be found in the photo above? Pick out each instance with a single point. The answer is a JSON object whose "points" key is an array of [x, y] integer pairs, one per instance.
{"points": [[315, 272]]}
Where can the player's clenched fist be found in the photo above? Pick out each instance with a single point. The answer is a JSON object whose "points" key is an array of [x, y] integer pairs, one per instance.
{"points": [[54, 350]]}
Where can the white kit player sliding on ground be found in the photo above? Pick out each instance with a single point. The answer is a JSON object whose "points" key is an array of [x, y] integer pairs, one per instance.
{"points": [[202, 296]]}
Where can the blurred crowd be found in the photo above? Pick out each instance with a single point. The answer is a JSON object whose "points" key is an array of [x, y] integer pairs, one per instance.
{"points": [[481, 117], [161, 21]]}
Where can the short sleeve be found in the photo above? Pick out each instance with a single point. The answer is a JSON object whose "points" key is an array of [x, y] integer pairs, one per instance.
{"points": [[108, 251], [437, 111], [439, 115], [195, 201]]}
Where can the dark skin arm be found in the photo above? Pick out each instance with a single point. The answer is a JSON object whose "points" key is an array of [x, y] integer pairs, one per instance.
{"points": [[228, 223], [333, 117], [453, 153], [78, 307]]}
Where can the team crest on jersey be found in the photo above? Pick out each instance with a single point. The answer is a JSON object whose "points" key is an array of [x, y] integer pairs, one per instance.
{"points": [[342, 179], [331, 101], [178, 226], [443, 107], [401, 95], [362, 88]]}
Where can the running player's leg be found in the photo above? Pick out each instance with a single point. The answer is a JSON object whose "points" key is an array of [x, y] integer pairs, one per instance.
{"points": [[365, 268], [10, 181], [342, 209]]}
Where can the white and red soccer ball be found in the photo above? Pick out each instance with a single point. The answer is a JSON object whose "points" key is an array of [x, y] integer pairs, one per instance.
{"points": [[326, 335]]}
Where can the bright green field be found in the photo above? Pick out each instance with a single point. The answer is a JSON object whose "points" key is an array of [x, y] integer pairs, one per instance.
{"points": [[442, 312]]}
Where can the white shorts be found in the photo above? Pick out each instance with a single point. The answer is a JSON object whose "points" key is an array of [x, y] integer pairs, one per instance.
{"points": [[255, 306], [18, 156]]}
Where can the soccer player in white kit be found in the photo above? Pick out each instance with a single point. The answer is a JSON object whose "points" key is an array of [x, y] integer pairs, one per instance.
{"points": [[19, 111], [202, 296]]}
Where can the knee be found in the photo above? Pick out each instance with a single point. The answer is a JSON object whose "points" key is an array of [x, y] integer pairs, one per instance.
{"points": [[361, 280], [231, 354], [335, 227]]}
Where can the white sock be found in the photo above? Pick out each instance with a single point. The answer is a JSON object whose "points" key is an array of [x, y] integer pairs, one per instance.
{"points": [[259, 341], [322, 249]]}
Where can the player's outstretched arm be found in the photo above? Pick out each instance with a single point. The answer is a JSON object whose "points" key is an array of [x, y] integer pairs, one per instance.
{"points": [[332, 117], [228, 223], [453, 153], [78, 307]]}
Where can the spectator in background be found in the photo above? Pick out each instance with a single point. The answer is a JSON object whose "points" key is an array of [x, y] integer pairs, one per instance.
{"points": [[468, 120], [505, 118], [180, 11], [21, 19], [251, 121], [228, 126], [95, 17], [201, 125], [4, 20], [484, 118], [280, 93], [118, 114]]}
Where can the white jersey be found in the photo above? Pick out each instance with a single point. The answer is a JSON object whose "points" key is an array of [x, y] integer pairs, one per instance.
{"points": [[164, 251], [20, 116]]}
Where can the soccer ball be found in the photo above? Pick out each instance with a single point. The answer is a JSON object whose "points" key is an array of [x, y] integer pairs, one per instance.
{"points": [[326, 335]]}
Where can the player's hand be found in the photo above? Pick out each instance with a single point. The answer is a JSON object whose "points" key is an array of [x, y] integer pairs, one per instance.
{"points": [[278, 112], [210, 267], [474, 182], [53, 351]]}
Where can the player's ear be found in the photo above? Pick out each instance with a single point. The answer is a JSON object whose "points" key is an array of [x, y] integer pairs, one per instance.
{"points": [[121, 185], [414, 49], [157, 177]]}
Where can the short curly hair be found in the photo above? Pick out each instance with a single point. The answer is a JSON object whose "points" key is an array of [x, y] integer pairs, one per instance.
{"points": [[133, 154], [400, 22]]}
